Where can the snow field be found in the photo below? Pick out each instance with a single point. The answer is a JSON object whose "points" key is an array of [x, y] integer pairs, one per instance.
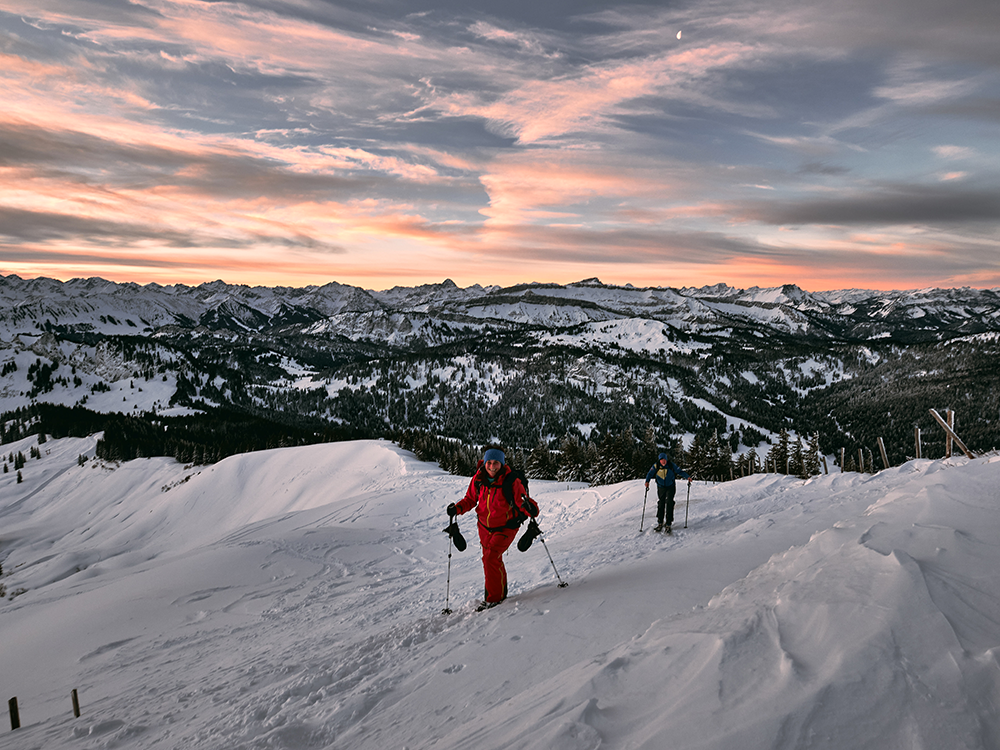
{"points": [[292, 599]]}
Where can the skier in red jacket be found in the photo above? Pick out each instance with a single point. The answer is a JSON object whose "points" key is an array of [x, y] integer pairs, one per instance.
{"points": [[499, 518]]}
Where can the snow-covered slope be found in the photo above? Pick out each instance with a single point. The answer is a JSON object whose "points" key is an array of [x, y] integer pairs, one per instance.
{"points": [[292, 599]]}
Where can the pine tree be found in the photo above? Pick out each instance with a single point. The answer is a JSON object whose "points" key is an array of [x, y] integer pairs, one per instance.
{"points": [[712, 457], [797, 460], [591, 457], [571, 460], [698, 462], [518, 459], [613, 464], [812, 465], [748, 462], [721, 458], [779, 457], [647, 451], [540, 464]]}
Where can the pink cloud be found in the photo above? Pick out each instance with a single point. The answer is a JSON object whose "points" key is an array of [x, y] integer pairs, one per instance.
{"points": [[531, 185], [539, 111]]}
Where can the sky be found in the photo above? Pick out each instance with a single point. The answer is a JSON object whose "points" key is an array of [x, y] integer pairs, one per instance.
{"points": [[827, 143]]}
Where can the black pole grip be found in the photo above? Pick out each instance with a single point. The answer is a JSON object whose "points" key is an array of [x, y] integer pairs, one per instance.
{"points": [[15, 716]]}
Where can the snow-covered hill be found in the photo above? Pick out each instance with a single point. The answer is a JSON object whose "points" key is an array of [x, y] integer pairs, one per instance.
{"points": [[292, 599]]}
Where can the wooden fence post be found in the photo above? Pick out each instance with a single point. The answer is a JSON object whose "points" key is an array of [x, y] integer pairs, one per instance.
{"points": [[15, 716], [826, 470], [861, 461], [951, 432], [843, 467], [950, 414], [881, 447], [916, 441]]}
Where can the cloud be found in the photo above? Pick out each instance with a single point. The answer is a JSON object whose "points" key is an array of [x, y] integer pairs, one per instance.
{"points": [[538, 185], [527, 42], [595, 100], [821, 168], [896, 205], [18, 225], [633, 246], [211, 165], [37, 226], [915, 83], [972, 107], [954, 152]]}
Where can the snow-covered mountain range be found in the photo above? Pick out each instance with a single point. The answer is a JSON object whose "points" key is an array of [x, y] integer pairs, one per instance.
{"points": [[521, 364], [401, 315]]}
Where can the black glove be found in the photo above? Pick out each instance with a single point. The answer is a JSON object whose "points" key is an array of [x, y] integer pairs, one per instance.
{"points": [[528, 536], [456, 535], [530, 506], [452, 510]]}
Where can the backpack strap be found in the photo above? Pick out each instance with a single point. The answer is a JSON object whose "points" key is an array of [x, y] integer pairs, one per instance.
{"points": [[519, 516]]}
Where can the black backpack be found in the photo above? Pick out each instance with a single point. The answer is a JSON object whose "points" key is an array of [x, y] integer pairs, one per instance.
{"points": [[507, 488]]}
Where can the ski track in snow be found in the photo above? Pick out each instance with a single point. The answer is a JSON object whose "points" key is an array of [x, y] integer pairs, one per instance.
{"points": [[292, 599]]}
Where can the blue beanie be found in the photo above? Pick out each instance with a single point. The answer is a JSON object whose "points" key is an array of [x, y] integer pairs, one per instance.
{"points": [[494, 454], [664, 455]]}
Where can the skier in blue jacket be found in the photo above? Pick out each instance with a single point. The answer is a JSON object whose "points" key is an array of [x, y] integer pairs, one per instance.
{"points": [[665, 472]]}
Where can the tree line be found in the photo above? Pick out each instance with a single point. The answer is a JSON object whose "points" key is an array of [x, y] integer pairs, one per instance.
{"points": [[197, 439], [620, 457]]}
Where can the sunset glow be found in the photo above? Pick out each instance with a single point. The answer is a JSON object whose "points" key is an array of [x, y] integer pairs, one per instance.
{"points": [[827, 144]]}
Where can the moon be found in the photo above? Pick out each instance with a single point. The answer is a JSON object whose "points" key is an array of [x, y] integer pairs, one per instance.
{"points": [[678, 35]]}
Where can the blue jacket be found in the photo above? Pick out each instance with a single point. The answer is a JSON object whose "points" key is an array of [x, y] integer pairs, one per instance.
{"points": [[666, 475]]}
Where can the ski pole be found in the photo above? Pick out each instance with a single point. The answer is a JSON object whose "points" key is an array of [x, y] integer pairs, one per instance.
{"points": [[562, 583], [688, 506], [643, 508], [447, 591]]}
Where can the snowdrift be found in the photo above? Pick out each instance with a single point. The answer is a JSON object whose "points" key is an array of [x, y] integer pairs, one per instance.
{"points": [[292, 599]]}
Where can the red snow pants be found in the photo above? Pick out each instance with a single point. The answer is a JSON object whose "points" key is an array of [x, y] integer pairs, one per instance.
{"points": [[495, 543]]}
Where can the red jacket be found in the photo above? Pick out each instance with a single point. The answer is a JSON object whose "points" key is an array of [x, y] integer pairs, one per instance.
{"points": [[486, 496]]}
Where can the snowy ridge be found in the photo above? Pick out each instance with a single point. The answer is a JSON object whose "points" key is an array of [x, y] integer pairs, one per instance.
{"points": [[291, 599], [96, 305]]}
